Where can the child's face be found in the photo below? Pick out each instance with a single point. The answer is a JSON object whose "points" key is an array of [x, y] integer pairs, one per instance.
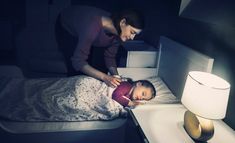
{"points": [[141, 93]]}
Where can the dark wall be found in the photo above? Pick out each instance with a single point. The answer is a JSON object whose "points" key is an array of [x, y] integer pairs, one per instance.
{"points": [[215, 40], [11, 19], [109, 5]]}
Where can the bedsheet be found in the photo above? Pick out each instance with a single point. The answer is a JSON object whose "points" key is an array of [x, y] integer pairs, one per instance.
{"points": [[78, 98]]}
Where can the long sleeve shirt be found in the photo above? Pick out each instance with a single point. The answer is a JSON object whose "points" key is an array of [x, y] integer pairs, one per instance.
{"points": [[122, 93], [85, 22]]}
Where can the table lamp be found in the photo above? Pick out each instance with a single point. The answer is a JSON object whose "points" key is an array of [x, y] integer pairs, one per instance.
{"points": [[205, 96]]}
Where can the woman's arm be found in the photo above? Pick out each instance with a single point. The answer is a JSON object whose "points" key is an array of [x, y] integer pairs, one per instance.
{"points": [[113, 70], [110, 59]]}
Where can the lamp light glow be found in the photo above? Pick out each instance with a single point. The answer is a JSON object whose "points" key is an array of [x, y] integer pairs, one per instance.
{"points": [[205, 95]]}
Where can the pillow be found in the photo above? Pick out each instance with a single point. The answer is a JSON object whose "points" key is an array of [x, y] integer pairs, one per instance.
{"points": [[163, 93]]}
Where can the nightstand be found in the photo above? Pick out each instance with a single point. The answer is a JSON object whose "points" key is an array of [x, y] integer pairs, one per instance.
{"points": [[163, 123], [139, 55]]}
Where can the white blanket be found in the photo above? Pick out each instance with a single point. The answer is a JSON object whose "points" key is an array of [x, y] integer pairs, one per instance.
{"points": [[76, 98]]}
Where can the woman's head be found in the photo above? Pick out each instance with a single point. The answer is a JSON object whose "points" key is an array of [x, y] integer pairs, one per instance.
{"points": [[143, 90], [128, 24]]}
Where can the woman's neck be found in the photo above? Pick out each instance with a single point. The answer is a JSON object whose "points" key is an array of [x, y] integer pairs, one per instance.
{"points": [[108, 25]]}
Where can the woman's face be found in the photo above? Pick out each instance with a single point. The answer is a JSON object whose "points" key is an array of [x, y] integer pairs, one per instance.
{"points": [[141, 92], [128, 32]]}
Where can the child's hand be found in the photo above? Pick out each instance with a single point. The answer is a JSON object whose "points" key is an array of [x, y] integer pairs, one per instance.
{"points": [[134, 103], [138, 102]]}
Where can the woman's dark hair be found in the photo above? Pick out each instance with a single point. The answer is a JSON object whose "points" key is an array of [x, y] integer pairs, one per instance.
{"points": [[144, 83], [133, 18]]}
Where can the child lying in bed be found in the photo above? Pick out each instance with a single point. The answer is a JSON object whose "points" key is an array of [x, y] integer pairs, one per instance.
{"points": [[78, 98], [128, 93]]}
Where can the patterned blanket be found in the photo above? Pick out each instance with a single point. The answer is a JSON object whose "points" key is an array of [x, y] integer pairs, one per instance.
{"points": [[76, 98]]}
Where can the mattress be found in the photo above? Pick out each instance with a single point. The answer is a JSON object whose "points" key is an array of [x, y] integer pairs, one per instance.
{"points": [[163, 96]]}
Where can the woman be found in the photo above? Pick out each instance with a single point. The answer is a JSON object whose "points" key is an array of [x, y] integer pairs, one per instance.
{"points": [[81, 29]]}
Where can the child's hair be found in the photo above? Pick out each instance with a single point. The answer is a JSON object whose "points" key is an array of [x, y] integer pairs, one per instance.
{"points": [[144, 83]]}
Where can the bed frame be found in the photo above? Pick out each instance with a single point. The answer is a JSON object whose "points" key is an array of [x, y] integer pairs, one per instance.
{"points": [[174, 63], [176, 60]]}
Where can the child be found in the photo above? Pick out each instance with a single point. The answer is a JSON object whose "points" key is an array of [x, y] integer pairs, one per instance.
{"points": [[128, 92]]}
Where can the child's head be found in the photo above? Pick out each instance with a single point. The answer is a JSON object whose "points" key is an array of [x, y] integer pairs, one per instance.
{"points": [[143, 90]]}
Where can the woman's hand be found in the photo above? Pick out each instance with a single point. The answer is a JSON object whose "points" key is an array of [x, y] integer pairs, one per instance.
{"points": [[108, 79], [112, 81]]}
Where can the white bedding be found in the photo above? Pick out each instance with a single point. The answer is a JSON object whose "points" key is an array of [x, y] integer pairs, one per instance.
{"points": [[78, 98], [163, 96], [163, 93]]}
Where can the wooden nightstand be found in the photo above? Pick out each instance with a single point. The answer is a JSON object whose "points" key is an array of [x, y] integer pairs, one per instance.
{"points": [[163, 123]]}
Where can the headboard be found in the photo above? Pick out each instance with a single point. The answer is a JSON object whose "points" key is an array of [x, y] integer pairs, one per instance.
{"points": [[137, 73], [176, 60]]}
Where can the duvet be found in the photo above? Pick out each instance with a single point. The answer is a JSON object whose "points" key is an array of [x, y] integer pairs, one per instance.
{"points": [[78, 98]]}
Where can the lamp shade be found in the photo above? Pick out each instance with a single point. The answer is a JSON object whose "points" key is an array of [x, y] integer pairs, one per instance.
{"points": [[206, 95]]}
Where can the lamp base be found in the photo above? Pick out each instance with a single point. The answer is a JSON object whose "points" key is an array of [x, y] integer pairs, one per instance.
{"points": [[198, 128]]}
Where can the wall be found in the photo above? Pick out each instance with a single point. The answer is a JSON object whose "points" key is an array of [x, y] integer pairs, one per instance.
{"points": [[11, 13], [215, 40]]}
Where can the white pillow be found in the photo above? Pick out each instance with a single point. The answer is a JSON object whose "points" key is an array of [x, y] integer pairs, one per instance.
{"points": [[163, 93]]}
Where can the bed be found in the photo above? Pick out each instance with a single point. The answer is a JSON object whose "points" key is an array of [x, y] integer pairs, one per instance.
{"points": [[174, 62]]}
